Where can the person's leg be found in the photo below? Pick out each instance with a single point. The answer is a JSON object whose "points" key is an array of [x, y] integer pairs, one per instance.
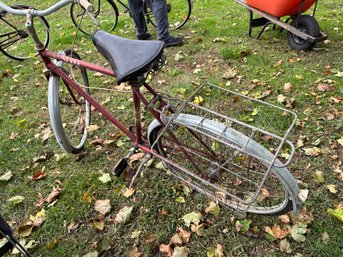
{"points": [[137, 12], [158, 7]]}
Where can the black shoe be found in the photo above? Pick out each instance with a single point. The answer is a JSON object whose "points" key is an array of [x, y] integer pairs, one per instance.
{"points": [[173, 41], [145, 36]]}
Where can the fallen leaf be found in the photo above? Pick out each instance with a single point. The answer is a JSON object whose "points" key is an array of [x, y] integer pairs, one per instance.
{"points": [[318, 176], [178, 56], [16, 199], [92, 128], [285, 246], [184, 235], [180, 252], [312, 151], [337, 213], [7, 176], [136, 157], [198, 100], [105, 178], [103, 206], [52, 244], [86, 198], [198, 229], [325, 87], [133, 252], [242, 226], [281, 99], [285, 219], [24, 230], [176, 240], [298, 231], [277, 232], [38, 175], [71, 227], [332, 188], [193, 217], [99, 225], [213, 208], [166, 249], [123, 215], [340, 141], [91, 254], [53, 195], [129, 192], [288, 87], [230, 73]]}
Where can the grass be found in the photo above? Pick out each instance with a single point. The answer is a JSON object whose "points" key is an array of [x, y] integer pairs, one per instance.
{"points": [[24, 118]]}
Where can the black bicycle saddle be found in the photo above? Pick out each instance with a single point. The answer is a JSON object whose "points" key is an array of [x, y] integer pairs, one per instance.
{"points": [[128, 58]]}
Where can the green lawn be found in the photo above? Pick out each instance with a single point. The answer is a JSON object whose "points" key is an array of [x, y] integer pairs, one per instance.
{"points": [[216, 41]]}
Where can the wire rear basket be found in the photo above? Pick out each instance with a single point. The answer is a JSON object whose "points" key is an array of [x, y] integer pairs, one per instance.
{"points": [[226, 145]]}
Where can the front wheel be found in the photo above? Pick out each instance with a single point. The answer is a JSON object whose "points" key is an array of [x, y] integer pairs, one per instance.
{"points": [[69, 112], [15, 42], [178, 11], [214, 168], [306, 24], [106, 13]]}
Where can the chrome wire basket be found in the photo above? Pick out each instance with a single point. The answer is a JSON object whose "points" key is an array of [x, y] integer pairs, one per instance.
{"points": [[226, 145]]}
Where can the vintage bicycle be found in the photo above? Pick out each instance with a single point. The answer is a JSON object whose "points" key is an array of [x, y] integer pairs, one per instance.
{"points": [[107, 14], [14, 39], [228, 146]]}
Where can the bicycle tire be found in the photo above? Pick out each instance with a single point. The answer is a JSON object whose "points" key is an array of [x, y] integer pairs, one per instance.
{"points": [[86, 25], [179, 12], [70, 141], [18, 47], [282, 175]]}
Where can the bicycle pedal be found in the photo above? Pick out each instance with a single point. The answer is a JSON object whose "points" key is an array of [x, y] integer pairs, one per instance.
{"points": [[119, 168]]}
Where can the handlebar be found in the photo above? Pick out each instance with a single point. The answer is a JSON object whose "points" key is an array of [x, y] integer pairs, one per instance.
{"points": [[84, 3]]}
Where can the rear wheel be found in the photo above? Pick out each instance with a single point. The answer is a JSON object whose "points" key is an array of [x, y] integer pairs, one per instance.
{"points": [[179, 12], [306, 24], [15, 42], [106, 13], [216, 168], [69, 112]]}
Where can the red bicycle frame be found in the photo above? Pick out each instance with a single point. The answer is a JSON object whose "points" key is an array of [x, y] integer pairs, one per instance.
{"points": [[138, 98]]}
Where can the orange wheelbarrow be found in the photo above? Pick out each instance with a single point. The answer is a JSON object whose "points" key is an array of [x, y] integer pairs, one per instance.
{"points": [[303, 31]]}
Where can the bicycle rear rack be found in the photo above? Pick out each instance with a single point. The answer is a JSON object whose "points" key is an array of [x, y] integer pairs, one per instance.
{"points": [[249, 135]]}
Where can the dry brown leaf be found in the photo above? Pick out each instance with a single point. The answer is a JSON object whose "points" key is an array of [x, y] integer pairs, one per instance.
{"points": [[103, 206], [325, 87], [53, 195], [176, 240], [71, 227], [277, 232], [219, 251], [285, 219], [136, 156], [288, 87], [336, 99], [38, 175], [129, 192], [99, 225], [166, 249], [185, 235], [86, 198]]}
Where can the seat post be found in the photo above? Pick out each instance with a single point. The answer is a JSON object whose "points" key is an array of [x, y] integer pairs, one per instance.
{"points": [[135, 86]]}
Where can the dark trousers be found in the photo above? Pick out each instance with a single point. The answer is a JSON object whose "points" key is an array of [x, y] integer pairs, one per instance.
{"points": [[159, 9]]}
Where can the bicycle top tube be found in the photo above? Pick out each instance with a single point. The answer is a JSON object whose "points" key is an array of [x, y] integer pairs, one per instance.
{"points": [[45, 12]]}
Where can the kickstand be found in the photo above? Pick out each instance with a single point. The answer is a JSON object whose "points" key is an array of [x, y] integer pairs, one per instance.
{"points": [[146, 158]]}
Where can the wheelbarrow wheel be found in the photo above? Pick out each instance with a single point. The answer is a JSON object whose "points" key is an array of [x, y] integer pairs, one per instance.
{"points": [[306, 24]]}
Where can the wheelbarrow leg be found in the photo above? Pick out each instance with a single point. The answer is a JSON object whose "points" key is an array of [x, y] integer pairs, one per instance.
{"points": [[257, 22]]}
